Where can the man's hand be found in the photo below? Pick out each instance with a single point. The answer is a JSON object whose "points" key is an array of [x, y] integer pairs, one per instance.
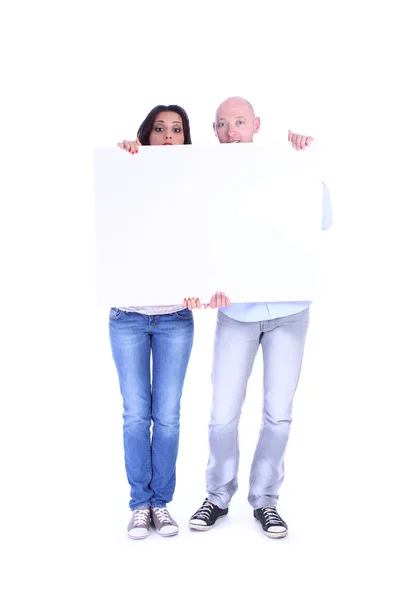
{"points": [[219, 300], [298, 141]]}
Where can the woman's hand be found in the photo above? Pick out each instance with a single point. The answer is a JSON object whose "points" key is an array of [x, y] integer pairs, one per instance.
{"points": [[192, 303], [131, 147], [218, 300]]}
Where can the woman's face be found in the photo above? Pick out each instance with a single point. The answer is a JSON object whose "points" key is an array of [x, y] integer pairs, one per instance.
{"points": [[167, 130]]}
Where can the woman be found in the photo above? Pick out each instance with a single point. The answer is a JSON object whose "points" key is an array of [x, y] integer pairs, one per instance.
{"points": [[164, 333]]}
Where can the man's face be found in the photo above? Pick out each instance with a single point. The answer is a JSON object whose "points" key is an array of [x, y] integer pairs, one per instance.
{"points": [[235, 122]]}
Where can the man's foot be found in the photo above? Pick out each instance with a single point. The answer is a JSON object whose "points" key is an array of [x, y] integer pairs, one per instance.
{"points": [[139, 525], [163, 522], [272, 524], [205, 517]]}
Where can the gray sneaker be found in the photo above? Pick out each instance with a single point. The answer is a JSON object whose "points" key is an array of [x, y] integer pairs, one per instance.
{"points": [[163, 522], [139, 525]]}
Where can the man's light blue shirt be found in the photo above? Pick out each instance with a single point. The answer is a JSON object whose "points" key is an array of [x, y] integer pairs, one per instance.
{"points": [[264, 311]]}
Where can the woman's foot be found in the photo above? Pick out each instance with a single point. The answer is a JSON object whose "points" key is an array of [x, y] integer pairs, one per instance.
{"points": [[139, 525], [163, 522]]}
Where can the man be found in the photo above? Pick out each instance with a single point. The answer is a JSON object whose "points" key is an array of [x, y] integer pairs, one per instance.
{"points": [[280, 328]]}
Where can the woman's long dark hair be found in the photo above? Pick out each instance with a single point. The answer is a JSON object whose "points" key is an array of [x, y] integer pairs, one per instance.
{"points": [[146, 127]]}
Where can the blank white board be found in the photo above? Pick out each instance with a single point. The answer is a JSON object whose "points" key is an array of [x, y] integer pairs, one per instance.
{"points": [[180, 221]]}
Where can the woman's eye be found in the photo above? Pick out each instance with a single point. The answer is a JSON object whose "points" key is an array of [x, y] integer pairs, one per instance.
{"points": [[158, 129], [177, 130]]}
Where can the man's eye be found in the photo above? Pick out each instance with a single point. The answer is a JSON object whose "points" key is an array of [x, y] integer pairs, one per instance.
{"points": [[240, 122], [221, 124]]}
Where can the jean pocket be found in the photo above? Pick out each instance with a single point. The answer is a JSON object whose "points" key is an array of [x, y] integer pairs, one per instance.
{"points": [[115, 313], [185, 314]]}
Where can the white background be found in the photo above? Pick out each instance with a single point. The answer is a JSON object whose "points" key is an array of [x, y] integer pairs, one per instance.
{"points": [[81, 74]]}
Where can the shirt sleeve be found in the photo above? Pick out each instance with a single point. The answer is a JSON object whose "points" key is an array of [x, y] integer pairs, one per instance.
{"points": [[326, 208]]}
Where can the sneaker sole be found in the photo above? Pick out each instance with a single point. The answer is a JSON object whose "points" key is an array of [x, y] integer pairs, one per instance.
{"points": [[141, 537], [167, 534], [205, 527], [164, 534], [275, 535]]}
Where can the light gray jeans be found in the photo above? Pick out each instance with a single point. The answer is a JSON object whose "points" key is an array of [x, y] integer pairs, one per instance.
{"points": [[235, 348]]}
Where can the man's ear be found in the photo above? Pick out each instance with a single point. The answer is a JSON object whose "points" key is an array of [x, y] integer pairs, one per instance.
{"points": [[215, 129], [257, 124]]}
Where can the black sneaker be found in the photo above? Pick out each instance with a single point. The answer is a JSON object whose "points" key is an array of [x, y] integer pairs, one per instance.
{"points": [[206, 516], [273, 526]]}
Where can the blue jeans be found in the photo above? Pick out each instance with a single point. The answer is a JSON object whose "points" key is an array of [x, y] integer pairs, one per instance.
{"points": [[150, 461]]}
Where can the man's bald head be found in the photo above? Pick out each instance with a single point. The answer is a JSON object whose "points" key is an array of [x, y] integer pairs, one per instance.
{"points": [[235, 121], [235, 101]]}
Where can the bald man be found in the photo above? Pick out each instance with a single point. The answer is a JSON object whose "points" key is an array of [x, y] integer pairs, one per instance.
{"points": [[280, 328]]}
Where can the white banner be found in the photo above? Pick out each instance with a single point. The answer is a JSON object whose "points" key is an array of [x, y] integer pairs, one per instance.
{"points": [[182, 221]]}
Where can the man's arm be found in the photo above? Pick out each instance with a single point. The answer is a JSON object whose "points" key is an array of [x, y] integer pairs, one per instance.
{"points": [[300, 142], [326, 208]]}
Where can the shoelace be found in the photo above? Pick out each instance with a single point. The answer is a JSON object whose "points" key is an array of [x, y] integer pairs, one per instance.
{"points": [[140, 517], [162, 515], [204, 511], [271, 516]]}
